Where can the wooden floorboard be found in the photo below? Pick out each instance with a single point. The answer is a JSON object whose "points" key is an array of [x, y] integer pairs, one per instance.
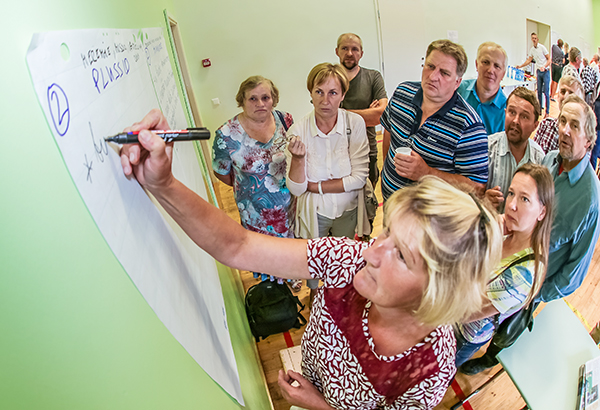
{"points": [[501, 394]]}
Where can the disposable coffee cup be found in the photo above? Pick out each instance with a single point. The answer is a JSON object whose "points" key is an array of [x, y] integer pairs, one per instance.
{"points": [[403, 150]]}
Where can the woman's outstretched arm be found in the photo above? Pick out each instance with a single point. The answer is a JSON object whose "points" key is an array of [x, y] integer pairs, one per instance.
{"points": [[210, 228]]}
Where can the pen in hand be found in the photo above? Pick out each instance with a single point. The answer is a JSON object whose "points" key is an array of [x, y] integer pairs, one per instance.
{"points": [[190, 134]]}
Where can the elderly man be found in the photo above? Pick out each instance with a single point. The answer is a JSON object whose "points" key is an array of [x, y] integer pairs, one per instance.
{"points": [[547, 133], [444, 132], [484, 93], [575, 229], [366, 95], [539, 55], [510, 149], [574, 65]]}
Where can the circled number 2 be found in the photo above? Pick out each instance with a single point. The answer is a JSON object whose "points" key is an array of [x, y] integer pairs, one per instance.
{"points": [[58, 104]]}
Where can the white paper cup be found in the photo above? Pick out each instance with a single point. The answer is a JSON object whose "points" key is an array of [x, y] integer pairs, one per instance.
{"points": [[403, 150]]}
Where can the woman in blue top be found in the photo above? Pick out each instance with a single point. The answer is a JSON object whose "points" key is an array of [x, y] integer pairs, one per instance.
{"points": [[520, 274]]}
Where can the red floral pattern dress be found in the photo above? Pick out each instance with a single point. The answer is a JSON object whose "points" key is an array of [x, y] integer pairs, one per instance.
{"points": [[338, 352]]}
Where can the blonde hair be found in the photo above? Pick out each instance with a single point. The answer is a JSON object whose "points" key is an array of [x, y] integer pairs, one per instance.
{"points": [[251, 83], [493, 46], [571, 81], [321, 72], [461, 244]]}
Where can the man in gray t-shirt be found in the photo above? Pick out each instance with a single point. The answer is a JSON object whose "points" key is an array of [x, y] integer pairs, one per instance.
{"points": [[366, 95]]}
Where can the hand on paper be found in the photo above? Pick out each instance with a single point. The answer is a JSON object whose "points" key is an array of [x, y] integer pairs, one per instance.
{"points": [[150, 160], [304, 395]]}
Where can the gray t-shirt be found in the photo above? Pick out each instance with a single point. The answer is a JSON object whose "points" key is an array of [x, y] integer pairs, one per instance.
{"points": [[366, 87], [558, 57]]}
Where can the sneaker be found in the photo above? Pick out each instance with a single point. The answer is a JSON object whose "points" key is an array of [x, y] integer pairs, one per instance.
{"points": [[478, 365]]}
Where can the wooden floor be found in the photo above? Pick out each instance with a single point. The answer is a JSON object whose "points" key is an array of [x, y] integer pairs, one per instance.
{"points": [[501, 394]]}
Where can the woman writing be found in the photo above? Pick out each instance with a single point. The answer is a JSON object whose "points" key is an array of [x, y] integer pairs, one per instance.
{"points": [[248, 155], [519, 276], [378, 336], [328, 160]]}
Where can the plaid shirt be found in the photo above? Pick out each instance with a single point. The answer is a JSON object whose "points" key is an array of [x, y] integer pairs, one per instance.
{"points": [[589, 77], [547, 134]]}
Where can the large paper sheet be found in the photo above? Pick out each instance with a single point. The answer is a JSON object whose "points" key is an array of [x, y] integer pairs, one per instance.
{"points": [[92, 84]]}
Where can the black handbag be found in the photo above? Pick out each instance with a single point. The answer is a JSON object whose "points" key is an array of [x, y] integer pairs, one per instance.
{"points": [[513, 326]]}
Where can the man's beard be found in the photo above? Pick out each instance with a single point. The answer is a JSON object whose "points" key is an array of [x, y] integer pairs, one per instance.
{"points": [[350, 64]]}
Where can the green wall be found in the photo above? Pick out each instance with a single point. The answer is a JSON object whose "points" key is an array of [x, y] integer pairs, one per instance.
{"points": [[74, 331], [596, 16]]}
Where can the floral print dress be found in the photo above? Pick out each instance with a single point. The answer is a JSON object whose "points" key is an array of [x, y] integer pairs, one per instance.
{"points": [[258, 173]]}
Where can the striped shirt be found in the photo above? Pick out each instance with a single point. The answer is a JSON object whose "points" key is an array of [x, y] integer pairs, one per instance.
{"points": [[452, 140], [503, 165]]}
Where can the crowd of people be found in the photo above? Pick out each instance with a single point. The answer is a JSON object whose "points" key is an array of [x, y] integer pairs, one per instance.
{"points": [[394, 317]]}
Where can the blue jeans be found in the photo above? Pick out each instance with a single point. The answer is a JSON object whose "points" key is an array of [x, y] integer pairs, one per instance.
{"points": [[464, 349], [543, 87]]}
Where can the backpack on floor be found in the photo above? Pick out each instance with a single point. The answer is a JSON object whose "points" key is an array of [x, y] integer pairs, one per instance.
{"points": [[272, 308]]}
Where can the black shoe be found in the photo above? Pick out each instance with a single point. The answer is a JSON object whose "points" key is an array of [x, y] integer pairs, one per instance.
{"points": [[478, 365]]}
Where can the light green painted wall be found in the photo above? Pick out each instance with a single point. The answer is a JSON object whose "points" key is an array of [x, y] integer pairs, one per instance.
{"points": [[596, 18], [75, 332]]}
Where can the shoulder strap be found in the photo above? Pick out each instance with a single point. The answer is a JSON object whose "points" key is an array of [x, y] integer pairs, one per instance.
{"points": [[528, 257], [282, 118], [525, 258]]}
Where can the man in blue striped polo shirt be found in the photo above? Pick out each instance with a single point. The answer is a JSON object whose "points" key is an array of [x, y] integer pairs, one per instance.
{"points": [[445, 134]]}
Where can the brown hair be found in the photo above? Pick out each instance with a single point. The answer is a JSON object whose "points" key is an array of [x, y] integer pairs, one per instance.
{"points": [[251, 83], [573, 54], [540, 237], [342, 37], [530, 97], [321, 72], [453, 50]]}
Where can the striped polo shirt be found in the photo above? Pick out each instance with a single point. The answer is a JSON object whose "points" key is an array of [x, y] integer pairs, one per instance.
{"points": [[452, 140]]}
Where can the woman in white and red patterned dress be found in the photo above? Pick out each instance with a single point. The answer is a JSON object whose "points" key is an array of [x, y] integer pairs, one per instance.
{"points": [[378, 336]]}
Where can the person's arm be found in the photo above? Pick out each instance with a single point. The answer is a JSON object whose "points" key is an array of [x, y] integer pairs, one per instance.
{"points": [[471, 162], [221, 162], [385, 145], [414, 167], [548, 61], [572, 273], [358, 151], [226, 179], [296, 166], [372, 115], [528, 61], [210, 228]]}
